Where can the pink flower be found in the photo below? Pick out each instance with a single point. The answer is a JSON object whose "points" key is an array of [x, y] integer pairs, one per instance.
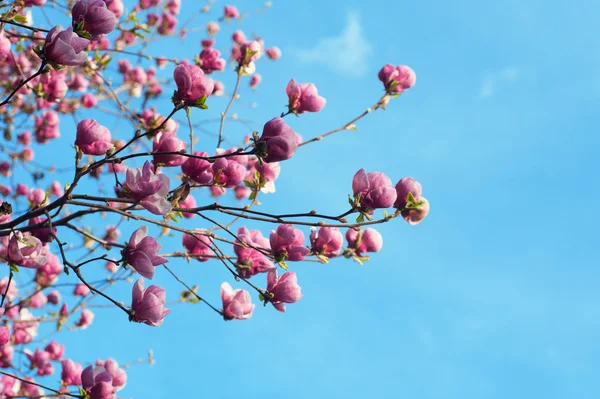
{"points": [[227, 172], [255, 81], [49, 272], [56, 189], [25, 250], [212, 28], [284, 289], [24, 138], [71, 372], [37, 197], [231, 12], [81, 290], [148, 188], [54, 297], [249, 52], [98, 383], [4, 336], [55, 350], [167, 142], [86, 318], [63, 47], [327, 242], [95, 17], [273, 53], [118, 375], [191, 82], [142, 253], [148, 304], [368, 240], [287, 243], [251, 261], [304, 98], [40, 360], [375, 189], [197, 244], [199, 170], [112, 234], [12, 291], [397, 79], [116, 6], [6, 354], [210, 61], [188, 202], [88, 100], [46, 127], [277, 142], [44, 234], [93, 138], [37, 300], [239, 37], [236, 304], [418, 211]]}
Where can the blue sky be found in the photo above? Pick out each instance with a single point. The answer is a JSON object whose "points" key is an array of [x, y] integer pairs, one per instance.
{"points": [[493, 296]]}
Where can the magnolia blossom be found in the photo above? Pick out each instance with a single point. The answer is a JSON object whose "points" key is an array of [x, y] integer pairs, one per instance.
{"points": [[197, 169], [71, 372], [97, 382], [96, 18], [414, 215], [327, 242], [168, 142], [368, 240], [4, 336], [250, 259], [142, 253], [375, 189], [118, 375], [148, 304], [397, 79], [236, 304], [231, 12], [287, 243], [274, 53], [25, 250], [64, 47], [93, 138], [191, 82], [198, 244], [284, 289], [227, 172], [278, 141], [148, 188], [85, 319], [304, 97]]}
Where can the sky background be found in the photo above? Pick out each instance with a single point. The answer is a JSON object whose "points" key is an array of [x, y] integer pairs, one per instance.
{"points": [[494, 295]]}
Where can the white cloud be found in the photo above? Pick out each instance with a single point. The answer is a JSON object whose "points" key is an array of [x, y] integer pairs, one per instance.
{"points": [[494, 79], [347, 52]]}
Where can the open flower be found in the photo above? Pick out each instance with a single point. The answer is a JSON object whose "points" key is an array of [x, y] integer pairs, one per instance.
{"points": [[236, 304], [148, 188], [142, 253], [148, 304], [64, 47]]}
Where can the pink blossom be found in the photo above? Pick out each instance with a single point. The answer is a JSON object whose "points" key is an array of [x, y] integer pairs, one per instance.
{"points": [[55, 350], [6, 354], [197, 169], [284, 289], [210, 61], [37, 197], [148, 304], [236, 304], [44, 234], [85, 319], [416, 214], [142, 253], [71, 372], [64, 47], [227, 172], [397, 79], [255, 81], [40, 360], [191, 82], [197, 244], [56, 189], [54, 297], [148, 188], [273, 53], [116, 6], [231, 12], [112, 234], [24, 138], [88, 100], [167, 142], [277, 142], [95, 17], [98, 383], [212, 28], [4, 336], [251, 261], [327, 241], [368, 240], [188, 202], [25, 250], [239, 37], [38, 300], [303, 98], [49, 272], [81, 290], [287, 243], [46, 127], [119, 376], [375, 189]]}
